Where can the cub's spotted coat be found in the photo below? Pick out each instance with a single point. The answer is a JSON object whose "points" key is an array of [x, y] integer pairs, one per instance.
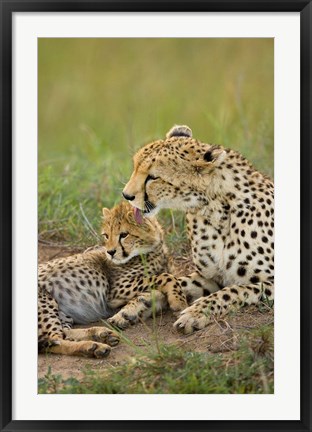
{"points": [[230, 219], [87, 287]]}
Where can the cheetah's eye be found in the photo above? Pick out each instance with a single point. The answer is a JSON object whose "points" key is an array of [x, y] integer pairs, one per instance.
{"points": [[123, 235], [104, 235], [150, 178]]}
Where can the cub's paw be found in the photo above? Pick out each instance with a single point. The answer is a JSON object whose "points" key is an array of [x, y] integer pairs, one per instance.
{"points": [[192, 318], [94, 349], [122, 320], [104, 335]]}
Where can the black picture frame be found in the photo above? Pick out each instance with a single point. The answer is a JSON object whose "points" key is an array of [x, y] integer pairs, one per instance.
{"points": [[7, 8]]}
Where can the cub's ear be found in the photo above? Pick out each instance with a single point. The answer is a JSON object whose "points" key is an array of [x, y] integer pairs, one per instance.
{"points": [[213, 157], [179, 131], [105, 212]]}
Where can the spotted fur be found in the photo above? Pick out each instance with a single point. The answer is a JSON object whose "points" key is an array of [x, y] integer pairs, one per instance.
{"points": [[129, 272], [229, 209]]}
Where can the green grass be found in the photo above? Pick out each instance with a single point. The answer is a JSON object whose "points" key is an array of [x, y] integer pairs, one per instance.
{"points": [[175, 371], [101, 99]]}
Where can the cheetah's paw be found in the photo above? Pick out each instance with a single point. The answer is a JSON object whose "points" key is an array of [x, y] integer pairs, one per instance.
{"points": [[192, 319], [94, 349], [105, 335], [122, 320]]}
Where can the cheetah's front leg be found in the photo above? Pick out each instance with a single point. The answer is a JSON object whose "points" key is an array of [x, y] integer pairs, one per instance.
{"points": [[195, 286], [201, 312], [171, 287], [141, 307]]}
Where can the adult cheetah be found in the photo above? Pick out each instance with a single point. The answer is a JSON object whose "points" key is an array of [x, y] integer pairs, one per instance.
{"points": [[127, 273], [229, 209]]}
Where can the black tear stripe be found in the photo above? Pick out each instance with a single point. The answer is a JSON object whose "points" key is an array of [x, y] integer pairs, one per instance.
{"points": [[124, 253], [145, 193], [148, 205]]}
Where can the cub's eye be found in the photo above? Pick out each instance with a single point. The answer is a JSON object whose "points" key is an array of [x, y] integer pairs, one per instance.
{"points": [[104, 235], [150, 178], [123, 235]]}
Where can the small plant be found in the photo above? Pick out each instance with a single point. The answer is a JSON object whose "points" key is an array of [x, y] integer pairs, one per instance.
{"points": [[265, 303], [54, 383]]}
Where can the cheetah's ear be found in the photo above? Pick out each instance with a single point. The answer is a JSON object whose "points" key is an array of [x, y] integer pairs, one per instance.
{"points": [[212, 158], [105, 212], [179, 131]]}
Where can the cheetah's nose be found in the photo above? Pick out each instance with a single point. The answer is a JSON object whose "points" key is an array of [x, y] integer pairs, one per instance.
{"points": [[128, 197], [112, 252]]}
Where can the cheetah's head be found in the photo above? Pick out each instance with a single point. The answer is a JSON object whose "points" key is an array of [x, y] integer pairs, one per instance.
{"points": [[124, 237], [173, 173]]}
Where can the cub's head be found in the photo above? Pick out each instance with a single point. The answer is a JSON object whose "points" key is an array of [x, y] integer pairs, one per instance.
{"points": [[175, 172], [124, 237]]}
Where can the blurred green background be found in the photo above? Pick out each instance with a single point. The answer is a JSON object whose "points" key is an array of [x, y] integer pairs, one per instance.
{"points": [[101, 99]]}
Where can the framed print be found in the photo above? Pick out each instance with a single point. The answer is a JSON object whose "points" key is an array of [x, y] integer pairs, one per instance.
{"points": [[118, 113]]}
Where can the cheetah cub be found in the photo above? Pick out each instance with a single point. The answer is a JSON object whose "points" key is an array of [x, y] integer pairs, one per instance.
{"points": [[127, 273]]}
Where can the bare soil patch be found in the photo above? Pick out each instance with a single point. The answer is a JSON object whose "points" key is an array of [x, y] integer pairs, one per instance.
{"points": [[222, 336]]}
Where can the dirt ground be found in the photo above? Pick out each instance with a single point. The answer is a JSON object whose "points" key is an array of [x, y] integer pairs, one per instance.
{"points": [[220, 336]]}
